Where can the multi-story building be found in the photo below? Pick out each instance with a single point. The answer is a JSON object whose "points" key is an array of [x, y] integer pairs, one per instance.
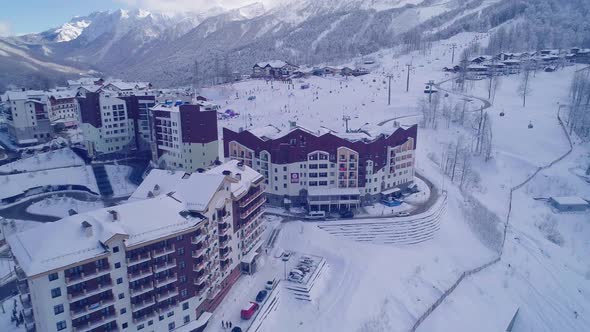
{"points": [[184, 136], [64, 107], [105, 123], [161, 262], [113, 123], [326, 170], [27, 116]]}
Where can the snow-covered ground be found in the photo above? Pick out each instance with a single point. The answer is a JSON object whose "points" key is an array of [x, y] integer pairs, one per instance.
{"points": [[374, 287], [119, 177], [45, 160], [5, 323], [59, 206]]}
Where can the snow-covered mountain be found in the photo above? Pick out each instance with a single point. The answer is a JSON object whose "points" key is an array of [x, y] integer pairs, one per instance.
{"points": [[163, 47]]}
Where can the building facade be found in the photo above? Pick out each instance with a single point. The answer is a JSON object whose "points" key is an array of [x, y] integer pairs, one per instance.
{"points": [[27, 117], [156, 264], [113, 123], [275, 69], [63, 107], [326, 171], [184, 137]]}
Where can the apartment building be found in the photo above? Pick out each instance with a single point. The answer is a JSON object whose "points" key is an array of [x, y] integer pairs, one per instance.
{"points": [[184, 136], [162, 262], [325, 170], [63, 107], [27, 116], [111, 123]]}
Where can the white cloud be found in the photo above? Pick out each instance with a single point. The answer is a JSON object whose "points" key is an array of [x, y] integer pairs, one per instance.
{"points": [[5, 29], [190, 5]]}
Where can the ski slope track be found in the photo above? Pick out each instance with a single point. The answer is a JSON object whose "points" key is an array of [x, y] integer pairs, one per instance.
{"points": [[476, 270]]}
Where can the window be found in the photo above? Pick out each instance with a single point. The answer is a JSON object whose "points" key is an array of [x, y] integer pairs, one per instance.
{"points": [[53, 276], [182, 265], [58, 309], [181, 251], [119, 281], [61, 325], [184, 293], [171, 326], [121, 296], [161, 317], [115, 249], [56, 292], [187, 319], [170, 314], [185, 306], [123, 311], [140, 327], [124, 325], [150, 322], [117, 265]]}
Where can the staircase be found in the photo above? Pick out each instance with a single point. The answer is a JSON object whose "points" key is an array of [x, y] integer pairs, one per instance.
{"points": [[396, 231], [102, 180]]}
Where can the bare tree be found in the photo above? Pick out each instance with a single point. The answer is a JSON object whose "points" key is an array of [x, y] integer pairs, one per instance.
{"points": [[524, 89]]}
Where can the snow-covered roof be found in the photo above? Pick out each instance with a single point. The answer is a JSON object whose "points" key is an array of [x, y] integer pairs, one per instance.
{"points": [[20, 95], [273, 64], [165, 181], [63, 94], [267, 132], [83, 81], [91, 88], [120, 85], [44, 248], [197, 190], [16, 184], [248, 176], [569, 200]]}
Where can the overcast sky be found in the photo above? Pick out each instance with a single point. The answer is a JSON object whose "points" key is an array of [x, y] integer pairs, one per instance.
{"points": [[26, 16]]}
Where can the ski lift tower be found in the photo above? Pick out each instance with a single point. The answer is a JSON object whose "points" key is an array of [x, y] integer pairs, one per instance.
{"points": [[346, 118], [430, 85]]}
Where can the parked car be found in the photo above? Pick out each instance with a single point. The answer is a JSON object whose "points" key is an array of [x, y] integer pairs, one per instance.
{"points": [[236, 329], [269, 285], [403, 214], [261, 296], [297, 271], [249, 310], [346, 214], [316, 215], [286, 256], [303, 267], [295, 278]]}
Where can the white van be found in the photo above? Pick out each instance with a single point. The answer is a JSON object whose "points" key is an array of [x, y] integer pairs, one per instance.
{"points": [[316, 215]]}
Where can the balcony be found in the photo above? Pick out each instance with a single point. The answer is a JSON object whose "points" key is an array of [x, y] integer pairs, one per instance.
{"points": [[89, 326], [142, 289], [25, 300], [23, 287], [30, 324], [201, 279], [166, 281], [88, 309], [251, 218], [137, 320], [224, 255], [166, 295], [199, 266], [165, 306], [139, 259], [224, 230], [140, 274], [245, 201], [198, 239], [163, 251], [224, 242], [143, 304], [81, 277], [199, 251], [87, 293], [245, 214], [165, 266]]}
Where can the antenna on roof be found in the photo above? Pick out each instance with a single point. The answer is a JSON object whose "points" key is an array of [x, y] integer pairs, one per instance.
{"points": [[346, 118]]}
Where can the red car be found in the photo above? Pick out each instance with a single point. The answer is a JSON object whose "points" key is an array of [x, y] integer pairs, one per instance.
{"points": [[249, 310]]}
